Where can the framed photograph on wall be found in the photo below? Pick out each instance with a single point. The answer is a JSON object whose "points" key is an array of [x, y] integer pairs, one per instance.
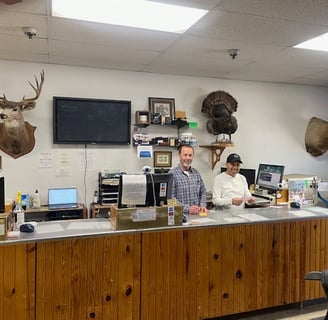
{"points": [[164, 106], [163, 159]]}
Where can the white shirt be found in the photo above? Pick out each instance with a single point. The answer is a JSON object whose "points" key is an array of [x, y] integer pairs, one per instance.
{"points": [[227, 187]]}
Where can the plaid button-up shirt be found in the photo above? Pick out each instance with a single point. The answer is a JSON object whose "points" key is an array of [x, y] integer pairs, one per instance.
{"points": [[188, 188]]}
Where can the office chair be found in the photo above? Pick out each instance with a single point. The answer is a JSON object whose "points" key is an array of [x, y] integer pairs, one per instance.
{"points": [[320, 276]]}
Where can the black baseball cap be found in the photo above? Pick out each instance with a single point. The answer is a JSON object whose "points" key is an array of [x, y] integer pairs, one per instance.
{"points": [[234, 157]]}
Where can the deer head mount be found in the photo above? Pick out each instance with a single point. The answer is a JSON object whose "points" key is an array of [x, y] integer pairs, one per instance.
{"points": [[316, 137], [16, 134]]}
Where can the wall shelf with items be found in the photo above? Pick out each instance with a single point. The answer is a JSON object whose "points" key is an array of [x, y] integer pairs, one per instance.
{"points": [[142, 138]]}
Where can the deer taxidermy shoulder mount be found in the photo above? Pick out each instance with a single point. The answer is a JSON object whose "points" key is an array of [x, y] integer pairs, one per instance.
{"points": [[16, 134], [219, 106], [316, 137]]}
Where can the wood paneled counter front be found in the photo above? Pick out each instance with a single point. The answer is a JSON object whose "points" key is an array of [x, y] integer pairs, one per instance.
{"points": [[241, 260]]}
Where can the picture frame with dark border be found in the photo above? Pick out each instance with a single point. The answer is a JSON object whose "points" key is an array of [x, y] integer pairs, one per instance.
{"points": [[163, 159], [164, 106], [142, 117]]}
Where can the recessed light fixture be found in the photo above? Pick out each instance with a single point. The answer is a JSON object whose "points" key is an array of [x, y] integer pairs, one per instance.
{"points": [[131, 13], [319, 43]]}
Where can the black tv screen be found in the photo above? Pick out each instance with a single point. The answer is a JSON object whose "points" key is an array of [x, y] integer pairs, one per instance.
{"points": [[91, 121]]}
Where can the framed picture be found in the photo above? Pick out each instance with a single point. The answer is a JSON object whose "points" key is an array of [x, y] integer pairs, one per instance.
{"points": [[143, 117], [164, 106], [162, 159]]}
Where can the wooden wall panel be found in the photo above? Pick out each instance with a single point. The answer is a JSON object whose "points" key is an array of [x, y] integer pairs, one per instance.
{"points": [[227, 273], [238, 268], [211, 270], [315, 259], [168, 288], [88, 278], [241, 291], [252, 268], [17, 279], [192, 274]]}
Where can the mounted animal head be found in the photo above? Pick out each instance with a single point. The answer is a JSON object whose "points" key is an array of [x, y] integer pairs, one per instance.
{"points": [[17, 135], [316, 137], [219, 106]]}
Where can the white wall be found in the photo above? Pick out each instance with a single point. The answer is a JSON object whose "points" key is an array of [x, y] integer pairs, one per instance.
{"points": [[272, 119]]}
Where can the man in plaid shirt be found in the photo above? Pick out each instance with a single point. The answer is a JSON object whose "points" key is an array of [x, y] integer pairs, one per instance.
{"points": [[188, 186]]}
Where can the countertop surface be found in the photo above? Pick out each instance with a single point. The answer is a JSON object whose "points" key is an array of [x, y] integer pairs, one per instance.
{"points": [[62, 229]]}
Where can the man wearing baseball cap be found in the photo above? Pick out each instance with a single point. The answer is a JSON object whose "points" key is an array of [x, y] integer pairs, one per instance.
{"points": [[230, 187]]}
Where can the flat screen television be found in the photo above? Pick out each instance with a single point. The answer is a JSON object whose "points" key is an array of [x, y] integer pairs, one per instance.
{"points": [[269, 176], [91, 121], [157, 190]]}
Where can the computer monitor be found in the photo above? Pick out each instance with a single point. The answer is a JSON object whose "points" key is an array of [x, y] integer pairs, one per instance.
{"points": [[249, 174], [149, 190], [2, 194], [269, 176]]}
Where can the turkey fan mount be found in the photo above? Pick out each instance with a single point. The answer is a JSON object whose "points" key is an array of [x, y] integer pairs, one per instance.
{"points": [[219, 107]]}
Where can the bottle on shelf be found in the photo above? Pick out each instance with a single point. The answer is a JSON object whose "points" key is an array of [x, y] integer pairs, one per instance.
{"points": [[95, 197], [18, 213], [36, 200]]}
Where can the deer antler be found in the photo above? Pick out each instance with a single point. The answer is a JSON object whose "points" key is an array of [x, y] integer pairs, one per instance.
{"points": [[29, 103], [3, 100]]}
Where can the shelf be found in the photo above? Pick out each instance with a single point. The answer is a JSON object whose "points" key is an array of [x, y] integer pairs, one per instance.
{"points": [[178, 123], [216, 149], [166, 141]]}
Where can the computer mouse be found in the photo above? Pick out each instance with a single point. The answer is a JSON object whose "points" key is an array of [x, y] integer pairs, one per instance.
{"points": [[26, 227], [295, 205]]}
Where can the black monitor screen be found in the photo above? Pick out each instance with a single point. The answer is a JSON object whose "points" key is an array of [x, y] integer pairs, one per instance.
{"points": [[158, 190], [91, 121], [249, 174], [269, 176]]}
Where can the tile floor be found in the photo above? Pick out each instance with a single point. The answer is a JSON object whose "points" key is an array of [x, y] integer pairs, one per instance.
{"points": [[307, 312]]}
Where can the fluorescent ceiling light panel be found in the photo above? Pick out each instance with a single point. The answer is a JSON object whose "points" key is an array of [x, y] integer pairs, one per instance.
{"points": [[131, 13], [318, 43]]}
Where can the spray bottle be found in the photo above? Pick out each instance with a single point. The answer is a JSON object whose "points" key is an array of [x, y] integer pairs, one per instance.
{"points": [[19, 213], [36, 200]]}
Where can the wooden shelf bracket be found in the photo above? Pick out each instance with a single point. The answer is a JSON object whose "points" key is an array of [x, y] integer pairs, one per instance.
{"points": [[216, 150]]}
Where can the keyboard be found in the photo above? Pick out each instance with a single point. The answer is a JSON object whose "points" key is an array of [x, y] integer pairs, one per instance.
{"points": [[256, 204]]}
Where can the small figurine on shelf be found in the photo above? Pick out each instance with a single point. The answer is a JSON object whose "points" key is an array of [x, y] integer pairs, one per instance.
{"points": [[156, 118], [223, 138]]}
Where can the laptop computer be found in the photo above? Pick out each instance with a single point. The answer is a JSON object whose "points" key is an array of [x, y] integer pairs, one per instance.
{"points": [[62, 198]]}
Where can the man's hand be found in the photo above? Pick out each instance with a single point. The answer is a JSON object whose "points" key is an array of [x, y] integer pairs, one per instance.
{"points": [[237, 201], [251, 200], [194, 209]]}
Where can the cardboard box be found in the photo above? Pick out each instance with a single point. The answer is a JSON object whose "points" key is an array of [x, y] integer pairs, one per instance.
{"points": [[145, 217]]}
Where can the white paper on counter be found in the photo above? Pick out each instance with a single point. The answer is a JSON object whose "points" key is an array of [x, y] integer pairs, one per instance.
{"points": [[302, 213], [83, 225], [234, 219], [201, 221], [252, 217], [48, 228], [319, 210]]}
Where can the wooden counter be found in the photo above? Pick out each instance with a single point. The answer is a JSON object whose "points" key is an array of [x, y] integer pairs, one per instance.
{"points": [[188, 272]]}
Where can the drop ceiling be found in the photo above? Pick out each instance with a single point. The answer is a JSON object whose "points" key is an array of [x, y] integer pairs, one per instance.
{"points": [[264, 31]]}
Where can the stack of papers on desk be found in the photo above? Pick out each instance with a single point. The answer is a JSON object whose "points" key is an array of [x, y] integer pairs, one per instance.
{"points": [[252, 217], [201, 221]]}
